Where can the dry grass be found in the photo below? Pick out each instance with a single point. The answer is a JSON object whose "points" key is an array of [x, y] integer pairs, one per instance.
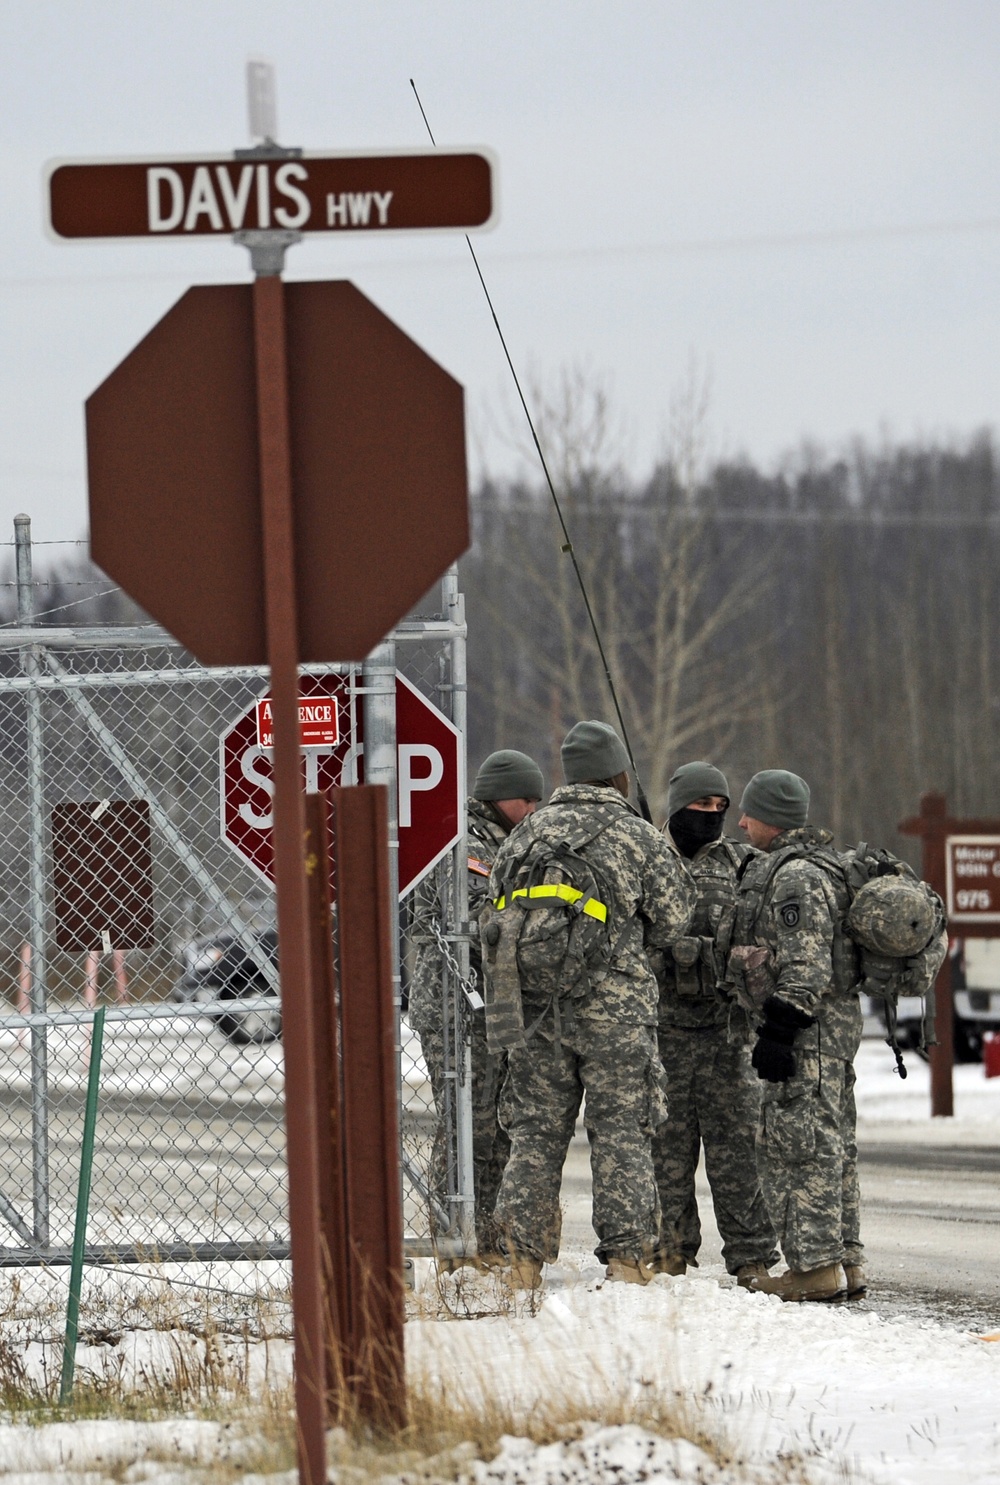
{"points": [[190, 1366]]}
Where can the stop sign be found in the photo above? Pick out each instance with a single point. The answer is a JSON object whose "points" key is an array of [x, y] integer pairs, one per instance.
{"points": [[377, 444], [428, 754]]}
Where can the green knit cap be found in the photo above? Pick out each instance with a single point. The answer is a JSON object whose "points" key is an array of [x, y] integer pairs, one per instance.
{"points": [[777, 797], [695, 781], [592, 750], [508, 774]]}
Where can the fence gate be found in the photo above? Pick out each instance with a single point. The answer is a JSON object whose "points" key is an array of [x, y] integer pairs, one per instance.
{"points": [[117, 887]]}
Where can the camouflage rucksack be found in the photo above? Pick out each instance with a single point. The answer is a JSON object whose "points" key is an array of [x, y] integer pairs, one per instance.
{"points": [[891, 941], [898, 924], [548, 934]]}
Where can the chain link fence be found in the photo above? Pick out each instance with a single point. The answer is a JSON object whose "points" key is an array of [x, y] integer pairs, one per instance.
{"points": [[118, 888]]}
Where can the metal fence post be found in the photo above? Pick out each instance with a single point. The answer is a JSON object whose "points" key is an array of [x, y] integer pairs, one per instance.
{"points": [[453, 603], [378, 677], [36, 891]]}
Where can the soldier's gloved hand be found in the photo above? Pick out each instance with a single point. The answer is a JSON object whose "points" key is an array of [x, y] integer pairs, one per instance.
{"points": [[773, 1056]]}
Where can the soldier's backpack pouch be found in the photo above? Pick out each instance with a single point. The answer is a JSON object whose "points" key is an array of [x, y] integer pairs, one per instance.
{"points": [[548, 933]]}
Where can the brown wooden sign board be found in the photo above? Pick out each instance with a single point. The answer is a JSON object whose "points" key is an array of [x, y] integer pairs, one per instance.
{"points": [[378, 468], [972, 867], [959, 857], [102, 870], [217, 196]]}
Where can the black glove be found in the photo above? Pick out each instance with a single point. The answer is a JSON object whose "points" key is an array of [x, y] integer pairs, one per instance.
{"points": [[772, 1056]]}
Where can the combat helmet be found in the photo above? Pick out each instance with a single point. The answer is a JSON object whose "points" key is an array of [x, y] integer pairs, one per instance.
{"points": [[892, 915]]}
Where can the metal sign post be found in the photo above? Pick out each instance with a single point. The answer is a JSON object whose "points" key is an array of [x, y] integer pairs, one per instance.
{"points": [[289, 835]]}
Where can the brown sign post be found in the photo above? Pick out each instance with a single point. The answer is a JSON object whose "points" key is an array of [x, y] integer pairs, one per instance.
{"points": [[279, 473], [961, 861]]}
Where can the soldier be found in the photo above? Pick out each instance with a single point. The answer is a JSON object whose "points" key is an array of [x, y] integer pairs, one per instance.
{"points": [[792, 907], [508, 787], [713, 1095], [585, 1009]]}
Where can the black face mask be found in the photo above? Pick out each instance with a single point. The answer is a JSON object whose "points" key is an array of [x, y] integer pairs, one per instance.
{"points": [[692, 829]]}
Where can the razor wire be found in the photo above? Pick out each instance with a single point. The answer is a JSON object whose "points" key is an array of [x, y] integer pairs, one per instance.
{"points": [[190, 1169]]}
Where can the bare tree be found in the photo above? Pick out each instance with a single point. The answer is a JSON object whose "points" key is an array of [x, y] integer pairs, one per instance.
{"points": [[650, 562]]}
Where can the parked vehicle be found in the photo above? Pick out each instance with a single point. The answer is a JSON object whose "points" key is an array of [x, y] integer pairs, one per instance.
{"points": [[217, 967]]}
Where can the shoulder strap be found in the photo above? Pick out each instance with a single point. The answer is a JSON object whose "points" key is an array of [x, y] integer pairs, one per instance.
{"points": [[585, 833], [737, 854]]}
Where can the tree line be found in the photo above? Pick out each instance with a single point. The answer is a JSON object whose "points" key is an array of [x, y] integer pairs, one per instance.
{"points": [[838, 617]]}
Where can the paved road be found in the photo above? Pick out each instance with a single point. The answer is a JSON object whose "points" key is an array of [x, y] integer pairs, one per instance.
{"points": [[931, 1225]]}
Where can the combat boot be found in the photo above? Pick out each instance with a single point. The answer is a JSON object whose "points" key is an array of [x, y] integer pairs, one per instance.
{"points": [[827, 1284], [857, 1280], [455, 1265], [524, 1273], [669, 1263], [628, 1271], [747, 1273], [493, 1260]]}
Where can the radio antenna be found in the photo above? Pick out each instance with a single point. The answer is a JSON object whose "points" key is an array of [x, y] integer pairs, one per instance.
{"points": [[567, 545]]}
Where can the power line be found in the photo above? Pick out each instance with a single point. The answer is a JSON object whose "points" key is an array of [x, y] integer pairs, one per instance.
{"points": [[634, 510], [678, 247]]}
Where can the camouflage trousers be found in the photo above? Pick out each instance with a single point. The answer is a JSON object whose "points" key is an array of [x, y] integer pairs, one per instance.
{"points": [[807, 1158], [618, 1070], [490, 1145], [713, 1097]]}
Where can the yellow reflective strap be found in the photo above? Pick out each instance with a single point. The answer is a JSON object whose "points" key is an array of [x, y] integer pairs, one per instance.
{"points": [[593, 909]]}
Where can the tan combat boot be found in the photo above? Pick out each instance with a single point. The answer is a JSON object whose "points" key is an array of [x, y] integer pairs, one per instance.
{"points": [[827, 1284], [857, 1280], [456, 1264], [747, 1273], [628, 1271], [524, 1273], [669, 1263], [493, 1260]]}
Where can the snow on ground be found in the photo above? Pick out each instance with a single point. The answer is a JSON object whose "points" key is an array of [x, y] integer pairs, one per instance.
{"points": [[893, 1108], [852, 1395], [897, 1400]]}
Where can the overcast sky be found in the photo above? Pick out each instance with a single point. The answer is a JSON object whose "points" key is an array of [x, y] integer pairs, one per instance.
{"points": [[804, 198]]}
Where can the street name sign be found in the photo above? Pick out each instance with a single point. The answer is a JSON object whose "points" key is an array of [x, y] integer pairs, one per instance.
{"points": [[216, 196], [972, 865], [428, 773]]}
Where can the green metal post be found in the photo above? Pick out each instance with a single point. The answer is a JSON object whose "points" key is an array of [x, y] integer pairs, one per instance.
{"points": [[82, 1208]]}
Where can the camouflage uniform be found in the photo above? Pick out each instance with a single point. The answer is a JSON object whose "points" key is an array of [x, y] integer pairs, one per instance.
{"points": [[806, 1146], [604, 1046], [713, 1094], [487, 830]]}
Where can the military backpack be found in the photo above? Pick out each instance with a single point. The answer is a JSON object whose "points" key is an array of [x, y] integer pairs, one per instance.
{"points": [[548, 935], [890, 941]]}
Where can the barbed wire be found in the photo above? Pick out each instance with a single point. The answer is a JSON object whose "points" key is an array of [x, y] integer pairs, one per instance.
{"points": [[61, 607]]}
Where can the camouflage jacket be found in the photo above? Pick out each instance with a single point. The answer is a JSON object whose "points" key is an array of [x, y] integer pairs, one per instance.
{"points": [[652, 896], [689, 993], [486, 832], [798, 915]]}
